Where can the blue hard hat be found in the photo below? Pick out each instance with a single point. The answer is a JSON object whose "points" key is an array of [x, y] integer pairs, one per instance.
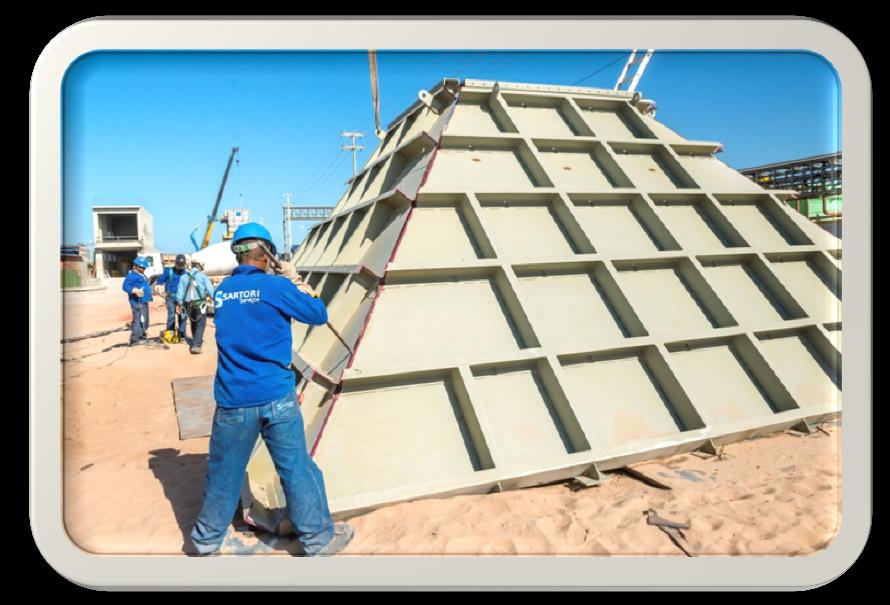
{"points": [[141, 261], [253, 231]]}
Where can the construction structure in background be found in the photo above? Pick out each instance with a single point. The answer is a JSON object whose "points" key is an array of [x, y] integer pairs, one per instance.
{"points": [[818, 180], [289, 213], [537, 283], [120, 233], [232, 219]]}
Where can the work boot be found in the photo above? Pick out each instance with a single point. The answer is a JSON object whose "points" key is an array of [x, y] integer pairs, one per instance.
{"points": [[343, 533], [195, 349]]}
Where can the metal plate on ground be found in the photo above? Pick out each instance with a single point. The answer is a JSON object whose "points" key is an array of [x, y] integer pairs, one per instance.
{"points": [[193, 398]]}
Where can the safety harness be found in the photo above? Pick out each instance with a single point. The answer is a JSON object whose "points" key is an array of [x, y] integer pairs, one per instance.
{"points": [[197, 306]]}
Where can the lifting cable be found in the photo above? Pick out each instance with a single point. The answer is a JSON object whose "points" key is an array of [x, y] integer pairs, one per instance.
{"points": [[375, 92], [604, 67], [240, 182]]}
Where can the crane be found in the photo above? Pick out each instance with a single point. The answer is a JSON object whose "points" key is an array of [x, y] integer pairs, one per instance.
{"points": [[212, 217]]}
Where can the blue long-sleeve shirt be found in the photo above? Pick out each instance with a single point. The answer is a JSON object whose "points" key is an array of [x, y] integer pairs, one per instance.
{"points": [[170, 280], [203, 288], [253, 335], [135, 279]]}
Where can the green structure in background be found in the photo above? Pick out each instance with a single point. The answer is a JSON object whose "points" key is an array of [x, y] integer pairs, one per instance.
{"points": [[818, 179], [814, 209], [75, 269], [71, 278]]}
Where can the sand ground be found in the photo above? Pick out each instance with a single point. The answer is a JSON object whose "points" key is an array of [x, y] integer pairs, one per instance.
{"points": [[131, 485]]}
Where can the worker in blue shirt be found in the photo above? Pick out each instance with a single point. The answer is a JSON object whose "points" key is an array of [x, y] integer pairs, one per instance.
{"points": [[169, 279], [193, 295], [139, 291], [255, 395]]}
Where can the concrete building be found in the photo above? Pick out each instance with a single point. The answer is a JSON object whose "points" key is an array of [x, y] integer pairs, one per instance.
{"points": [[119, 234]]}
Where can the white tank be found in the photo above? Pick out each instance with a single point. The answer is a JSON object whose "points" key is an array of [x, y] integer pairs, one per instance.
{"points": [[218, 259]]}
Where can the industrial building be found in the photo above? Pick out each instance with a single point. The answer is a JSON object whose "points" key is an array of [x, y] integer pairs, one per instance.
{"points": [[120, 233], [818, 181]]}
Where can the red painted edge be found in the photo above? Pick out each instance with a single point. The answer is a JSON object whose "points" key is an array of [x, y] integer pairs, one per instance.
{"points": [[324, 424], [382, 285], [380, 288]]}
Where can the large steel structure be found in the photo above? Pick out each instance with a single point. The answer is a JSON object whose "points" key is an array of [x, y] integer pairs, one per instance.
{"points": [[541, 282]]}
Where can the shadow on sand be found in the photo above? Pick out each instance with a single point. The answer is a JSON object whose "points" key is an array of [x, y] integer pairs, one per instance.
{"points": [[182, 477]]}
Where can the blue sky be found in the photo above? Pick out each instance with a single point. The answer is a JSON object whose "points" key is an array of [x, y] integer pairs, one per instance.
{"points": [[156, 129]]}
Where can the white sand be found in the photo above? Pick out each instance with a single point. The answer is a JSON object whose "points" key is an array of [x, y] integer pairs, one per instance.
{"points": [[131, 486]]}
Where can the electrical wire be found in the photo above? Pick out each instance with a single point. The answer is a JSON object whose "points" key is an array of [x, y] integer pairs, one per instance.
{"points": [[322, 174], [323, 180], [324, 165]]}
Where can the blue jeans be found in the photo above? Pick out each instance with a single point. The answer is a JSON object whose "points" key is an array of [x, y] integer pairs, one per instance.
{"points": [[137, 330], [232, 438], [172, 318], [197, 330]]}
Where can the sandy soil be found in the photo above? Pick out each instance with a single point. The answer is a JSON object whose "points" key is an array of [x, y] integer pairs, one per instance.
{"points": [[131, 486]]}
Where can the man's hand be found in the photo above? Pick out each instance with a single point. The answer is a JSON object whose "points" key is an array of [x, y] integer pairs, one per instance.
{"points": [[178, 310], [138, 292], [290, 271]]}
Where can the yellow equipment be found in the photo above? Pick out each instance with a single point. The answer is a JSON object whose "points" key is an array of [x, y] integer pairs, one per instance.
{"points": [[170, 337]]}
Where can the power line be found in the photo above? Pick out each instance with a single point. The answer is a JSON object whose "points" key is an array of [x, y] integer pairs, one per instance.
{"points": [[325, 178], [324, 165], [317, 175]]}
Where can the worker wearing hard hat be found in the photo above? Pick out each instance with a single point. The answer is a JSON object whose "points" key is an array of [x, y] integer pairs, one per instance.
{"points": [[255, 395], [139, 291], [169, 279], [193, 295]]}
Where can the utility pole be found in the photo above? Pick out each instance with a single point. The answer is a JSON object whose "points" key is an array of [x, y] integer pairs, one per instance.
{"points": [[353, 148], [288, 196]]}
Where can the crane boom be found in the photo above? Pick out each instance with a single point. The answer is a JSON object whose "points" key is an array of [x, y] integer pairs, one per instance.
{"points": [[212, 218]]}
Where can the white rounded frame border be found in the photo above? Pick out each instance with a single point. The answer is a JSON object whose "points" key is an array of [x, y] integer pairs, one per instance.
{"points": [[566, 33]]}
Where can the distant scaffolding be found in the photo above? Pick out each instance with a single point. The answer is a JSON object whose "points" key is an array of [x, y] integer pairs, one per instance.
{"points": [[818, 181], [815, 175], [299, 213]]}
